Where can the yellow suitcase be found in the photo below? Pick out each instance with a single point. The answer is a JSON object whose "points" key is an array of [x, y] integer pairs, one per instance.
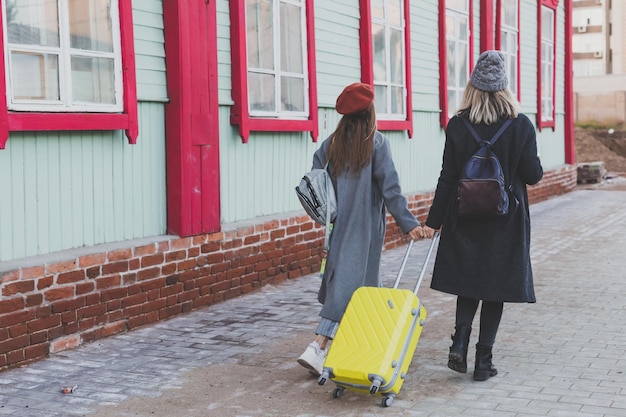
{"points": [[376, 339]]}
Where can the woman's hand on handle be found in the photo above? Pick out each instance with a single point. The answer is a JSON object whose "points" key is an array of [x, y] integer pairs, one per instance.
{"points": [[429, 232], [416, 233]]}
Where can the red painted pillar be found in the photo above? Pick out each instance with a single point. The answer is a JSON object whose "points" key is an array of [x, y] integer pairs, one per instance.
{"points": [[191, 117], [570, 147], [487, 29]]}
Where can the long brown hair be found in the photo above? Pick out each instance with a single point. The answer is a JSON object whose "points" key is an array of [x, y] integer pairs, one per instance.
{"points": [[352, 143]]}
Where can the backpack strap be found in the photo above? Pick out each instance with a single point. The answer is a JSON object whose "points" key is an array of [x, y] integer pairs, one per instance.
{"points": [[494, 138]]}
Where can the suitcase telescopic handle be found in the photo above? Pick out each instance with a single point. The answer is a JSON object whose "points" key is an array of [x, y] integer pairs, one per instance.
{"points": [[423, 271]]}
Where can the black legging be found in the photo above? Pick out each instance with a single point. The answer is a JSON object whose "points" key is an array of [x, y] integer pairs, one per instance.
{"points": [[490, 315]]}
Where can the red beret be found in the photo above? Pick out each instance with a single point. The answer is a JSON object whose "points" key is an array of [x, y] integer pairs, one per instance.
{"points": [[354, 98]]}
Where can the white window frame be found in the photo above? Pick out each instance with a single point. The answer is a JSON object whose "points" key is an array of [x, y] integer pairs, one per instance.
{"points": [[66, 103], [510, 51], [547, 68], [277, 71], [387, 84], [460, 44]]}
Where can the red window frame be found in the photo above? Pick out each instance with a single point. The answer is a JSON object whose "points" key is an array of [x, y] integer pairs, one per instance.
{"points": [[443, 60], [552, 4], [239, 114], [498, 33], [13, 121], [367, 64]]}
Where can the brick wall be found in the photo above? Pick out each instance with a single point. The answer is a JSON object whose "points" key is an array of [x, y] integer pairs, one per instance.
{"points": [[62, 304], [553, 183]]}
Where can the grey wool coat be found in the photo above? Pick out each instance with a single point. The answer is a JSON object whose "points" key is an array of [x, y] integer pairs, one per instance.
{"points": [[486, 259], [358, 233]]}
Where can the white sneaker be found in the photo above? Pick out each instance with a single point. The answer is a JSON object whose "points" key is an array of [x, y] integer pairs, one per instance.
{"points": [[313, 358]]}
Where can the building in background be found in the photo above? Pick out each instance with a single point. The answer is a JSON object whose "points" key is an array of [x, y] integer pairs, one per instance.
{"points": [[599, 60]]}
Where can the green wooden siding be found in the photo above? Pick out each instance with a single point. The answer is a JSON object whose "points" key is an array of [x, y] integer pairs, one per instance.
{"points": [[337, 49], [223, 53], [66, 190], [150, 50], [425, 56]]}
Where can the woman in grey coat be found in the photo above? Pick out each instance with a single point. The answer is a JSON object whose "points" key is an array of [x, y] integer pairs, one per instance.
{"points": [[367, 185], [485, 259]]}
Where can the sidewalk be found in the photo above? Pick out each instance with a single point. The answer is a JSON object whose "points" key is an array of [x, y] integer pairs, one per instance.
{"points": [[563, 356]]}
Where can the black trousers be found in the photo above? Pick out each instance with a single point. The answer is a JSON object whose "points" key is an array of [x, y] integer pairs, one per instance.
{"points": [[490, 315]]}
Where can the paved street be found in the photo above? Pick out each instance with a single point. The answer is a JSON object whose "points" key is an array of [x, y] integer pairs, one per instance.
{"points": [[563, 356]]}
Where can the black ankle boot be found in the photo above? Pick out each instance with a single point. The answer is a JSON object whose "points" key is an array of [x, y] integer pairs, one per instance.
{"points": [[457, 359], [483, 368]]}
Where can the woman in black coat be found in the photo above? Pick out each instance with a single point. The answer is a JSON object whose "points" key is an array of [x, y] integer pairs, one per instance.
{"points": [[484, 258]]}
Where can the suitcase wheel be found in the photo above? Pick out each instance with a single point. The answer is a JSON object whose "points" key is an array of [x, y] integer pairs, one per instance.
{"points": [[375, 385], [323, 377], [338, 392], [387, 401]]}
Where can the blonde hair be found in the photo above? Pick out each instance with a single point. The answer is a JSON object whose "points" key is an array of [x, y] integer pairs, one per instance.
{"points": [[352, 144], [488, 107]]}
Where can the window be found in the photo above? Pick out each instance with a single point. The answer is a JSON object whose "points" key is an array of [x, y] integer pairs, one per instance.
{"points": [[74, 58], [274, 73], [507, 39], [546, 63], [385, 56], [455, 46]]}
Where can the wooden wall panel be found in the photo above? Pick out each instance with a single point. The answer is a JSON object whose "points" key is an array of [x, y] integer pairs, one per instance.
{"points": [[150, 52], [66, 190]]}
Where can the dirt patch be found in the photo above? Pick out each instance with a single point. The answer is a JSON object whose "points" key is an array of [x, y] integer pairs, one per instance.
{"points": [[608, 146]]}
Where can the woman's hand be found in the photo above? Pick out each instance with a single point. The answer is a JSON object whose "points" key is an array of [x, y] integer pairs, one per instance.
{"points": [[428, 232], [416, 233]]}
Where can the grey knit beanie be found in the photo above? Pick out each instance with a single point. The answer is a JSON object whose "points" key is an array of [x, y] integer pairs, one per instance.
{"points": [[489, 73]]}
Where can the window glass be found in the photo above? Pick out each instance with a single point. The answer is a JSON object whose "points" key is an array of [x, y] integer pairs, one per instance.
{"points": [[380, 101], [291, 38], [395, 12], [36, 76], [380, 60], [378, 9], [396, 57], [260, 34], [509, 13], [397, 100], [547, 17], [509, 48], [33, 23], [262, 91], [292, 94], [93, 80], [91, 25]]}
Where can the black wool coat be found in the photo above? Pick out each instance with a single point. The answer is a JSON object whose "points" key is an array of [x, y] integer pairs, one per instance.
{"points": [[486, 259]]}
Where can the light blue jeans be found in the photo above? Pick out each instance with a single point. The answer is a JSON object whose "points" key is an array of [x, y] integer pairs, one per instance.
{"points": [[327, 327]]}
